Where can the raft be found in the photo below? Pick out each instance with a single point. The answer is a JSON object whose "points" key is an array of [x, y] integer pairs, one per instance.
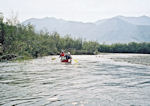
{"points": [[64, 60]]}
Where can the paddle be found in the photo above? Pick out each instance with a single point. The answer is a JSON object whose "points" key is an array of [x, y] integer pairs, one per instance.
{"points": [[75, 60], [53, 58]]}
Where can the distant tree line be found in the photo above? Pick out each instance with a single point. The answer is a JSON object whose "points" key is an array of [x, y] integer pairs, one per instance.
{"points": [[24, 41], [131, 47]]}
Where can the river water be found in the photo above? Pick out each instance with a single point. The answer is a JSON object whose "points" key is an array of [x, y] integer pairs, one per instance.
{"points": [[88, 81]]}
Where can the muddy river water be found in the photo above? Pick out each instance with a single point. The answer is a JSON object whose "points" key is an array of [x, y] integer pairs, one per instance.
{"points": [[99, 80]]}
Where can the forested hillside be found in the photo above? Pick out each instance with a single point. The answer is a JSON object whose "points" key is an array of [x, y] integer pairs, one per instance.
{"points": [[22, 40]]}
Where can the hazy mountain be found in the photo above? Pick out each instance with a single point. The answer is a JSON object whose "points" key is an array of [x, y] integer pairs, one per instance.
{"points": [[118, 29], [143, 20]]}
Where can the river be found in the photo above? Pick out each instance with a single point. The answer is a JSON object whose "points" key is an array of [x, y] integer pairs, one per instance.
{"points": [[91, 80]]}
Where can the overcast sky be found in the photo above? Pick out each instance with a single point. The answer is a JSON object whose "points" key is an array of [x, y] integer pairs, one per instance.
{"points": [[76, 10]]}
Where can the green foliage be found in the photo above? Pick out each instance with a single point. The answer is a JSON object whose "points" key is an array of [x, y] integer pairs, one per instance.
{"points": [[23, 41], [131, 47], [90, 46]]}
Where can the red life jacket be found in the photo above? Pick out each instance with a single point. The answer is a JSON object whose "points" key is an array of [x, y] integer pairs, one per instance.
{"points": [[62, 54]]}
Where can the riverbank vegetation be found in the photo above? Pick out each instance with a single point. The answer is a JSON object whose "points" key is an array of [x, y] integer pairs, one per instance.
{"points": [[19, 40], [132, 47]]}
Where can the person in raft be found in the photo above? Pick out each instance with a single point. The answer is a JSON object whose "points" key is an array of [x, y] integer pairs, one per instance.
{"points": [[68, 56], [62, 55]]}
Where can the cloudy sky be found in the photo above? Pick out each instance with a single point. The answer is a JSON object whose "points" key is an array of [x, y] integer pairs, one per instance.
{"points": [[76, 10]]}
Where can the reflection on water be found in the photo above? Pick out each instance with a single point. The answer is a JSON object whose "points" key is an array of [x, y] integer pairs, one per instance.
{"points": [[92, 81]]}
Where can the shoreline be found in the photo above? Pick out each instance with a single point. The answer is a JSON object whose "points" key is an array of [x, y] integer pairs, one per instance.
{"points": [[133, 58]]}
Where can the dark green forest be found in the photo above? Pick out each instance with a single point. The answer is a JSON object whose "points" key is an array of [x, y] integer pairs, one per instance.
{"points": [[22, 40]]}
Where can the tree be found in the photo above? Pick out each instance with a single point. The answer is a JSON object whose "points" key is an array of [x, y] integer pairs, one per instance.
{"points": [[2, 33], [13, 19]]}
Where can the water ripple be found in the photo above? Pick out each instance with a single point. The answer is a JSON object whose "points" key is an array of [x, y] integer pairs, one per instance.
{"points": [[95, 80]]}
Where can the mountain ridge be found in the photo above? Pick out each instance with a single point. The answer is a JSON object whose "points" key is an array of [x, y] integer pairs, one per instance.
{"points": [[119, 29]]}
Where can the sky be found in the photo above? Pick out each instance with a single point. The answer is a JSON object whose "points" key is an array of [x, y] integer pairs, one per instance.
{"points": [[74, 10]]}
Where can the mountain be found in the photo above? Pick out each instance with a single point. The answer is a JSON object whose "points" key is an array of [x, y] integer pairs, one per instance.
{"points": [[142, 20], [118, 29]]}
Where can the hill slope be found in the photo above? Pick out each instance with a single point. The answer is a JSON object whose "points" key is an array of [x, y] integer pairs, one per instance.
{"points": [[118, 29]]}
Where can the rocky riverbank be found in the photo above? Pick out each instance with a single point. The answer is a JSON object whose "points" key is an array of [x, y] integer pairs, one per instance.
{"points": [[7, 57], [10, 57]]}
